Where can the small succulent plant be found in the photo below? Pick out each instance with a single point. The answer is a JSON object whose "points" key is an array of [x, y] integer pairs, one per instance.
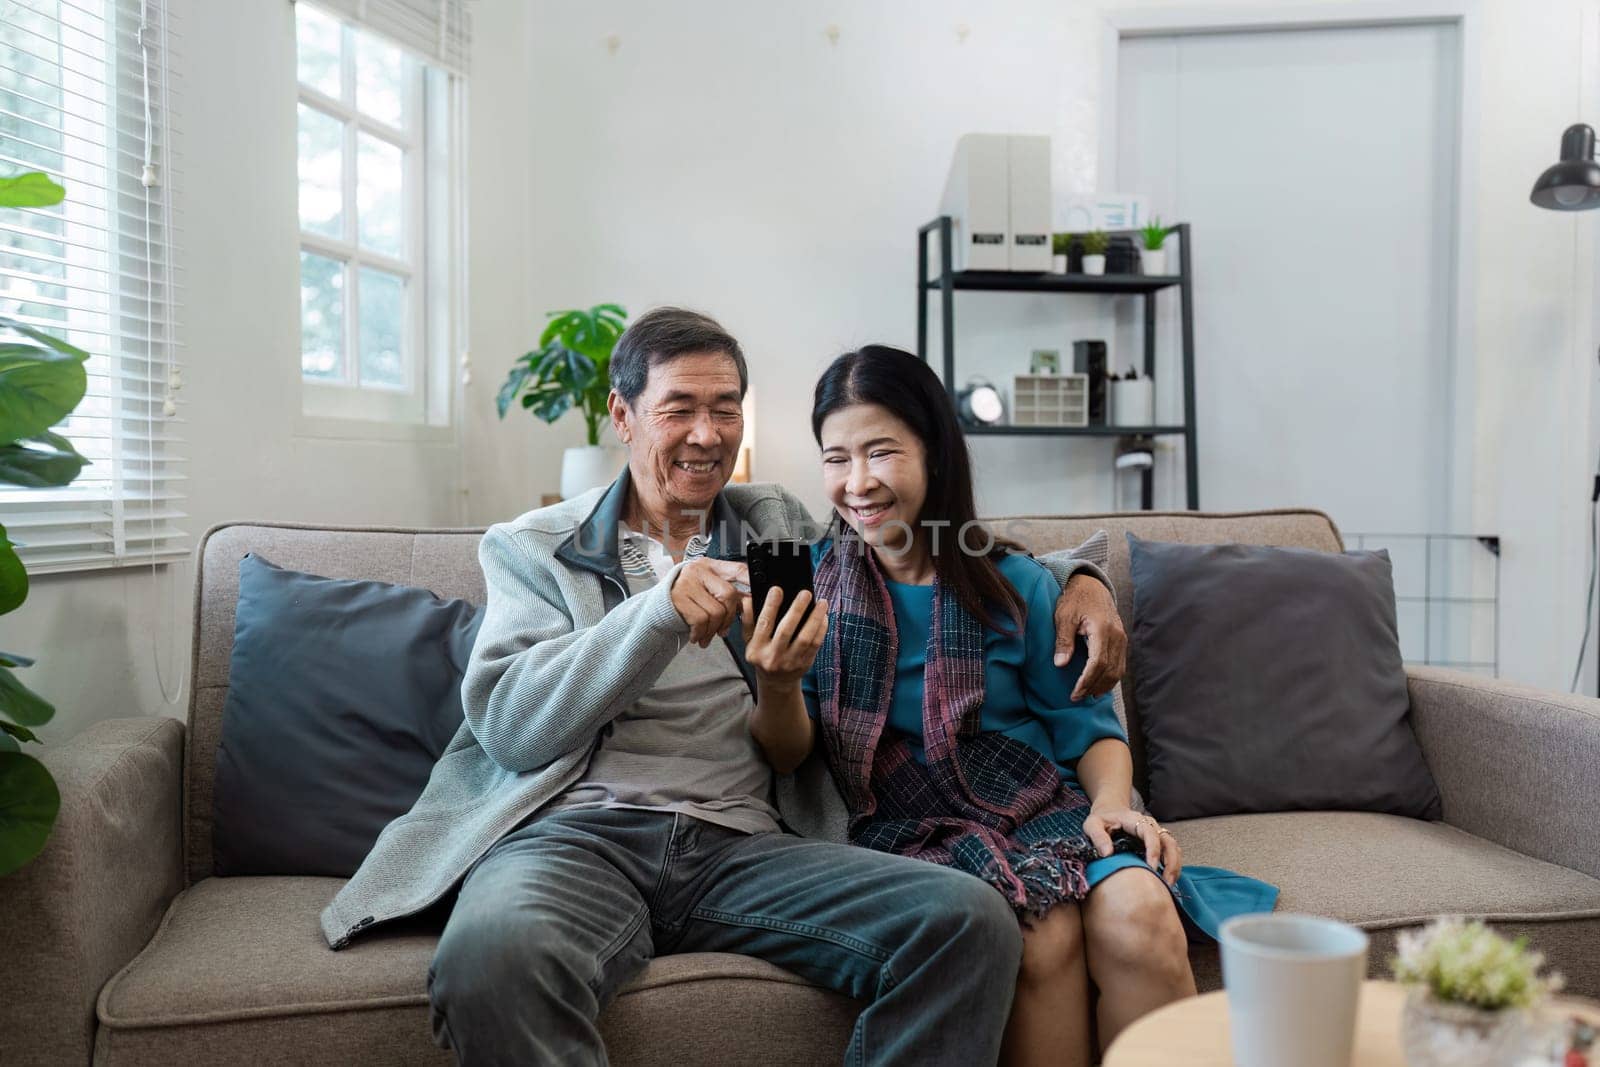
{"points": [[1154, 235], [1095, 243], [1462, 961]]}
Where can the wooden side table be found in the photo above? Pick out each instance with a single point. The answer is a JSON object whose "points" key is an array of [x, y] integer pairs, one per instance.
{"points": [[1195, 1031]]}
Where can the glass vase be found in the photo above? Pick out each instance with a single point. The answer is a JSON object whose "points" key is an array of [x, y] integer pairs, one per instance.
{"points": [[1436, 1033]]}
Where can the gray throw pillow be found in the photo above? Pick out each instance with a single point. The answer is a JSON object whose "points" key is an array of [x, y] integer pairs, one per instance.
{"points": [[1270, 679], [341, 697]]}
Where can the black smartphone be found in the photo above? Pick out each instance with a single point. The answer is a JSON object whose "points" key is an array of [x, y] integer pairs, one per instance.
{"points": [[1122, 841], [782, 564]]}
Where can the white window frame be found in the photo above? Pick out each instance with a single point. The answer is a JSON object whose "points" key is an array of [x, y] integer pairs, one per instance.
{"points": [[424, 408], [125, 510]]}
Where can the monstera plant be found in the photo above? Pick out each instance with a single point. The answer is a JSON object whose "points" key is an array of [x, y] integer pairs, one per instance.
{"points": [[41, 380]]}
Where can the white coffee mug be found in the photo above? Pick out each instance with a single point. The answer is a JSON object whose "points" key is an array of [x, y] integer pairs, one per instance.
{"points": [[1293, 984]]}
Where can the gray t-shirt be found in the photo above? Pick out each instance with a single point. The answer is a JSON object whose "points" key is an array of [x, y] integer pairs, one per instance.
{"points": [[686, 745]]}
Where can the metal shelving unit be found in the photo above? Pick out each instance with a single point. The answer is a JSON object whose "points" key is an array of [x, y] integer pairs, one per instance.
{"points": [[947, 282]]}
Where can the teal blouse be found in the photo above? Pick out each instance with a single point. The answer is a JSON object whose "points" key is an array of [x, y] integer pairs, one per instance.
{"points": [[1026, 696]]}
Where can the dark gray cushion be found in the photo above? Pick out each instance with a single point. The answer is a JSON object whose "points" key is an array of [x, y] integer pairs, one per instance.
{"points": [[341, 697], [1270, 679]]}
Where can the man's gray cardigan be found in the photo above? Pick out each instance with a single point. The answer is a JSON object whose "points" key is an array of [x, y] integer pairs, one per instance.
{"points": [[562, 651]]}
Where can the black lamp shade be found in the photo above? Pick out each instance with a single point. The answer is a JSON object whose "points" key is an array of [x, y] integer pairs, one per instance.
{"points": [[1574, 183]]}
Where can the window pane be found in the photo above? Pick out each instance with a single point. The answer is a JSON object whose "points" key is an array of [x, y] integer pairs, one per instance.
{"points": [[317, 44], [31, 111], [382, 321], [321, 173], [321, 317], [378, 79], [380, 178]]}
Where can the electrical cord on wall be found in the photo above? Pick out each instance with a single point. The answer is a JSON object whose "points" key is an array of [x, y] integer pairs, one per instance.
{"points": [[1588, 598], [150, 179]]}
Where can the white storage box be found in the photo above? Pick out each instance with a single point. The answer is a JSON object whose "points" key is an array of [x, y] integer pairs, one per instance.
{"points": [[1050, 400], [1133, 402]]}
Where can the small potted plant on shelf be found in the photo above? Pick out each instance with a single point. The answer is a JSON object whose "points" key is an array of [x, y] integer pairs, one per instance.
{"points": [[1472, 993], [1095, 244], [1153, 257], [1060, 246]]}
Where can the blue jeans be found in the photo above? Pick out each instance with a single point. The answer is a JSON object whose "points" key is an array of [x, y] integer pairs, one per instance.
{"points": [[567, 908]]}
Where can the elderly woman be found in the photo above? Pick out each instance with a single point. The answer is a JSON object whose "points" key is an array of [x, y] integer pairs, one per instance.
{"points": [[954, 736]]}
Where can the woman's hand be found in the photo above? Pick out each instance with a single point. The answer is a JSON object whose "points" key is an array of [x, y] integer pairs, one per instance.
{"points": [[780, 654], [781, 651], [1161, 849]]}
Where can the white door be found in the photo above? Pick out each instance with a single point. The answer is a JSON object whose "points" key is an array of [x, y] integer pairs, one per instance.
{"points": [[1317, 168]]}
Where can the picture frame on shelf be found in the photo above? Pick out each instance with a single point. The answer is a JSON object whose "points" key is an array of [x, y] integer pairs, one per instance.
{"points": [[1106, 211], [1045, 361]]}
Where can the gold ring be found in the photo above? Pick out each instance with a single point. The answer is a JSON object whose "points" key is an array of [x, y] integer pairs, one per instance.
{"points": [[1163, 832]]}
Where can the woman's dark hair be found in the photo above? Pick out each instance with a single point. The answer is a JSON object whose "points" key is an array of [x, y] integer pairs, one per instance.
{"points": [[907, 388]]}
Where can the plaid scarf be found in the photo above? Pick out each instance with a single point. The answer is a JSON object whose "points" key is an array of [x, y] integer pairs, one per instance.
{"points": [[983, 803]]}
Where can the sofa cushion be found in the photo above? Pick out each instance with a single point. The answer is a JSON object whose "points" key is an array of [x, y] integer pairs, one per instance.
{"points": [[1384, 873], [1270, 679], [342, 696], [239, 965]]}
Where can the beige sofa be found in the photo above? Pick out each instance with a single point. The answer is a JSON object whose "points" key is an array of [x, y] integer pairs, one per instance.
{"points": [[120, 946]]}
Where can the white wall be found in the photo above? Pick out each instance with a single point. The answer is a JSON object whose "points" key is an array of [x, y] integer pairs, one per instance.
{"points": [[506, 465], [1535, 344], [97, 635], [727, 155]]}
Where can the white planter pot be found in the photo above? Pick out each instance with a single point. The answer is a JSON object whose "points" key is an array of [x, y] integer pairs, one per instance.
{"points": [[1133, 402], [1436, 1034], [588, 467], [1058, 264], [1094, 264], [1154, 262]]}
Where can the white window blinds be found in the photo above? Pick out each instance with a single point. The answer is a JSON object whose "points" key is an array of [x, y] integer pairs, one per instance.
{"points": [[438, 31], [86, 96]]}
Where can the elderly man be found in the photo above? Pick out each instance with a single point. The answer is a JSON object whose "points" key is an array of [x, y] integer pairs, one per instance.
{"points": [[604, 801]]}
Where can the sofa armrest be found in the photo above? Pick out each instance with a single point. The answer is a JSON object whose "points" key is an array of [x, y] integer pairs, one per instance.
{"points": [[91, 900], [1516, 766]]}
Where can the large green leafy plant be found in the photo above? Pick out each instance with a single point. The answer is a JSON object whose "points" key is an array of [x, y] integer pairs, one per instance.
{"points": [[570, 368], [41, 380]]}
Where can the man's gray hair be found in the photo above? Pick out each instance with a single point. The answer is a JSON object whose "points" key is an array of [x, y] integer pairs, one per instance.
{"points": [[662, 335]]}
